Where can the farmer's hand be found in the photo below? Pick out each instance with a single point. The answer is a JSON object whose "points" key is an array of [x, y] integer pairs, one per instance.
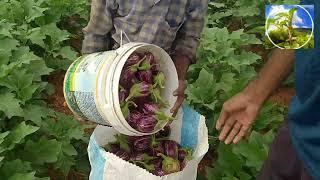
{"points": [[240, 112], [179, 93], [236, 118], [182, 63]]}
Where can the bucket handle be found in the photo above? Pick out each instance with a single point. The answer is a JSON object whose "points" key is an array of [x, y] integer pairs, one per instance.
{"points": [[121, 37]]}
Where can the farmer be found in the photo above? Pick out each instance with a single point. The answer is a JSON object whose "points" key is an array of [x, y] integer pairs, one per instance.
{"points": [[174, 25], [295, 152]]}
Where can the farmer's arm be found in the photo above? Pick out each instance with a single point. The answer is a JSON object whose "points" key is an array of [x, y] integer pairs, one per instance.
{"points": [[96, 36], [189, 34], [240, 111], [186, 44]]}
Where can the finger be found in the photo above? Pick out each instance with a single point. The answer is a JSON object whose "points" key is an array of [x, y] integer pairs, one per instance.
{"points": [[174, 114], [243, 131], [177, 104], [226, 129], [175, 93], [179, 91], [235, 130], [226, 109], [221, 120]]}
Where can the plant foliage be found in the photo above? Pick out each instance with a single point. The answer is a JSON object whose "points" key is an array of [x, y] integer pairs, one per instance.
{"points": [[225, 66], [32, 45]]}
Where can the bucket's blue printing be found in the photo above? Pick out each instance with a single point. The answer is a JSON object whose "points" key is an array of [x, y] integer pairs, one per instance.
{"points": [[86, 104], [97, 160], [189, 130]]}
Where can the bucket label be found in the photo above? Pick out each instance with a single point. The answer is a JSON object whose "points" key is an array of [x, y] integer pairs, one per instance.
{"points": [[68, 89], [80, 85], [86, 73]]}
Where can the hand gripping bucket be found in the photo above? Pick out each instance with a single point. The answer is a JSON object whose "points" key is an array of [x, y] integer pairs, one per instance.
{"points": [[91, 85]]}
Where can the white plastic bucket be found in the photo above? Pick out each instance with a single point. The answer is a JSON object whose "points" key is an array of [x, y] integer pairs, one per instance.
{"points": [[91, 85]]}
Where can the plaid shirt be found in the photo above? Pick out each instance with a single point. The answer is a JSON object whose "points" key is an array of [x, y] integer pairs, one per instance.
{"points": [[174, 25]]}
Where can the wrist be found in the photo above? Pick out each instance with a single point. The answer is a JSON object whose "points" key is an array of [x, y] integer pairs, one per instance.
{"points": [[181, 63], [256, 93]]}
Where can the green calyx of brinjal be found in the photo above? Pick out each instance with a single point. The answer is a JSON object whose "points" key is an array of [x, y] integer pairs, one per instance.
{"points": [[125, 108], [148, 167], [147, 158], [156, 141], [159, 80], [123, 142], [144, 65], [139, 90], [169, 165], [156, 97], [161, 117], [121, 88], [189, 153], [136, 67]]}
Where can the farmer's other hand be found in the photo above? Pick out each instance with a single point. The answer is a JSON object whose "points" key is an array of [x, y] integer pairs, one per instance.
{"points": [[236, 118], [179, 93]]}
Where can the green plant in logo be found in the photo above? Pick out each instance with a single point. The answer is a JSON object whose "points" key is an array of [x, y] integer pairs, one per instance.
{"points": [[283, 21], [284, 34]]}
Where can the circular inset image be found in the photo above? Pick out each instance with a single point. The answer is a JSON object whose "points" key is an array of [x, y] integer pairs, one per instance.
{"points": [[289, 26]]}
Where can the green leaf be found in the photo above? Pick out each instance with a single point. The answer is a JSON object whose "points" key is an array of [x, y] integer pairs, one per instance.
{"points": [[292, 2], [57, 35], [42, 151], [35, 113], [27, 92], [68, 149], [64, 163], [10, 105], [18, 61], [26, 176], [66, 128], [4, 57], [5, 28], [217, 4], [38, 69], [8, 44], [10, 168], [228, 160], [33, 9], [3, 135], [68, 53], [36, 36], [18, 79], [248, 58], [226, 82], [244, 176], [250, 39], [203, 89], [215, 173], [253, 151], [17, 135], [235, 35]]}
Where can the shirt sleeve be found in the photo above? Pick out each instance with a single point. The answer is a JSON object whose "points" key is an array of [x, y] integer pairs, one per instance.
{"points": [[96, 33], [189, 34]]}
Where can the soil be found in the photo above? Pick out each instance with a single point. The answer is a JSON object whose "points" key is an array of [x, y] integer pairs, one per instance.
{"points": [[56, 101], [207, 161]]}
